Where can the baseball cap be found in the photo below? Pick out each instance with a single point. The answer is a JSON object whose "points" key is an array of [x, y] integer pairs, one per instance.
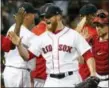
{"points": [[52, 11], [44, 8], [88, 9], [102, 17], [28, 7]]}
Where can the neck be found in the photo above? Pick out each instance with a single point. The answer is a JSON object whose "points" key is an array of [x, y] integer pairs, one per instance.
{"points": [[60, 26], [28, 26]]}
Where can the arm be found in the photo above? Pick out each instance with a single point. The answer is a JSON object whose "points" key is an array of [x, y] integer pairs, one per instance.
{"points": [[84, 49], [16, 40], [6, 44], [24, 52], [19, 17], [88, 57], [91, 66]]}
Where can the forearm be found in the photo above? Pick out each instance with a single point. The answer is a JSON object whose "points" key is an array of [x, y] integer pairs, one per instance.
{"points": [[23, 52], [17, 29], [91, 66]]}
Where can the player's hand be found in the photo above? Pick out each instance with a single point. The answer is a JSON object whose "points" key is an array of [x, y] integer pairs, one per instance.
{"points": [[19, 16], [85, 33], [81, 25], [14, 38]]}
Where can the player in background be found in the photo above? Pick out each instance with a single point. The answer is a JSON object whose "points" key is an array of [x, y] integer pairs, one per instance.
{"points": [[17, 72], [60, 54], [39, 74], [88, 11], [100, 47]]}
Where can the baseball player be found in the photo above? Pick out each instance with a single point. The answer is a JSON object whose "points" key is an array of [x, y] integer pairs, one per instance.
{"points": [[89, 32], [100, 47], [60, 54], [17, 72]]}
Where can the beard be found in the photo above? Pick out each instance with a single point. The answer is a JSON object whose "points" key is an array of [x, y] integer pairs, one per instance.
{"points": [[53, 26]]}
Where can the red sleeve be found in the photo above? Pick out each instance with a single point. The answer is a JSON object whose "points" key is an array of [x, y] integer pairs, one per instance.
{"points": [[31, 55], [6, 44], [87, 55]]}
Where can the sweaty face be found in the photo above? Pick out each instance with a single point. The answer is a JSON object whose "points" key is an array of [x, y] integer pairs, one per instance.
{"points": [[102, 30], [52, 23]]}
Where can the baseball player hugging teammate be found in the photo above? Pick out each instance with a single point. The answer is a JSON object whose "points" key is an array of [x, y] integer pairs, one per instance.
{"points": [[58, 46]]}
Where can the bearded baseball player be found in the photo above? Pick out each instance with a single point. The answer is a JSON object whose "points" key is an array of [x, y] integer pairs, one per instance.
{"points": [[61, 47]]}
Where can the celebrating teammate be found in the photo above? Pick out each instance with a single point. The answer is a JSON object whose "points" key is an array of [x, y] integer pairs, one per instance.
{"points": [[18, 69], [100, 47], [61, 47]]}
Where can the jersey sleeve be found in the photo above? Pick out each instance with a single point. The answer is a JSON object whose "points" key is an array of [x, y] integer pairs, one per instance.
{"points": [[6, 44], [35, 46], [81, 44]]}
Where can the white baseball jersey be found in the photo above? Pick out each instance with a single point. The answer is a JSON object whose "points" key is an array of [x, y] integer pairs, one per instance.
{"points": [[13, 57], [60, 50]]}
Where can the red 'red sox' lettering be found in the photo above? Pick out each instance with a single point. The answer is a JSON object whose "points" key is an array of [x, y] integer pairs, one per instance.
{"points": [[61, 47]]}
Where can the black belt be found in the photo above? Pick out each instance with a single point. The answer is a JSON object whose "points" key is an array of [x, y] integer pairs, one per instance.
{"points": [[61, 75], [104, 79]]}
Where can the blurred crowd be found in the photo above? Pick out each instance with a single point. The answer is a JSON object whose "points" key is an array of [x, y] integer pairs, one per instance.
{"points": [[70, 9]]}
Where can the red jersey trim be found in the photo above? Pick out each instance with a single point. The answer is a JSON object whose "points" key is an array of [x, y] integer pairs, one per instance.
{"points": [[6, 44], [31, 55]]}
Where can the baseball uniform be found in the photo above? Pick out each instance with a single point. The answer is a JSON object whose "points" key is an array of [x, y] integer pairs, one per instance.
{"points": [[39, 74], [61, 52], [101, 55], [16, 72]]}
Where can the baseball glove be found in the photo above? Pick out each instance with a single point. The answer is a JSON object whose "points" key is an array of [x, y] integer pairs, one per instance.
{"points": [[90, 82]]}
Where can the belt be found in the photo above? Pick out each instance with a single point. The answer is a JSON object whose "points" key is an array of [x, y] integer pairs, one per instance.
{"points": [[61, 75], [104, 79], [19, 68]]}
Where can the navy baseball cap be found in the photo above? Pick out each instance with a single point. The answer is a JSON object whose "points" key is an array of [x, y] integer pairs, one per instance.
{"points": [[88, 9], [28, 7], [44, 8], [52, 11]]}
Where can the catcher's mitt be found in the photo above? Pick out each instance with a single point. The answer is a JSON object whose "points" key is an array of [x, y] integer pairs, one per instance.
{"points": [[90, 82]]}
